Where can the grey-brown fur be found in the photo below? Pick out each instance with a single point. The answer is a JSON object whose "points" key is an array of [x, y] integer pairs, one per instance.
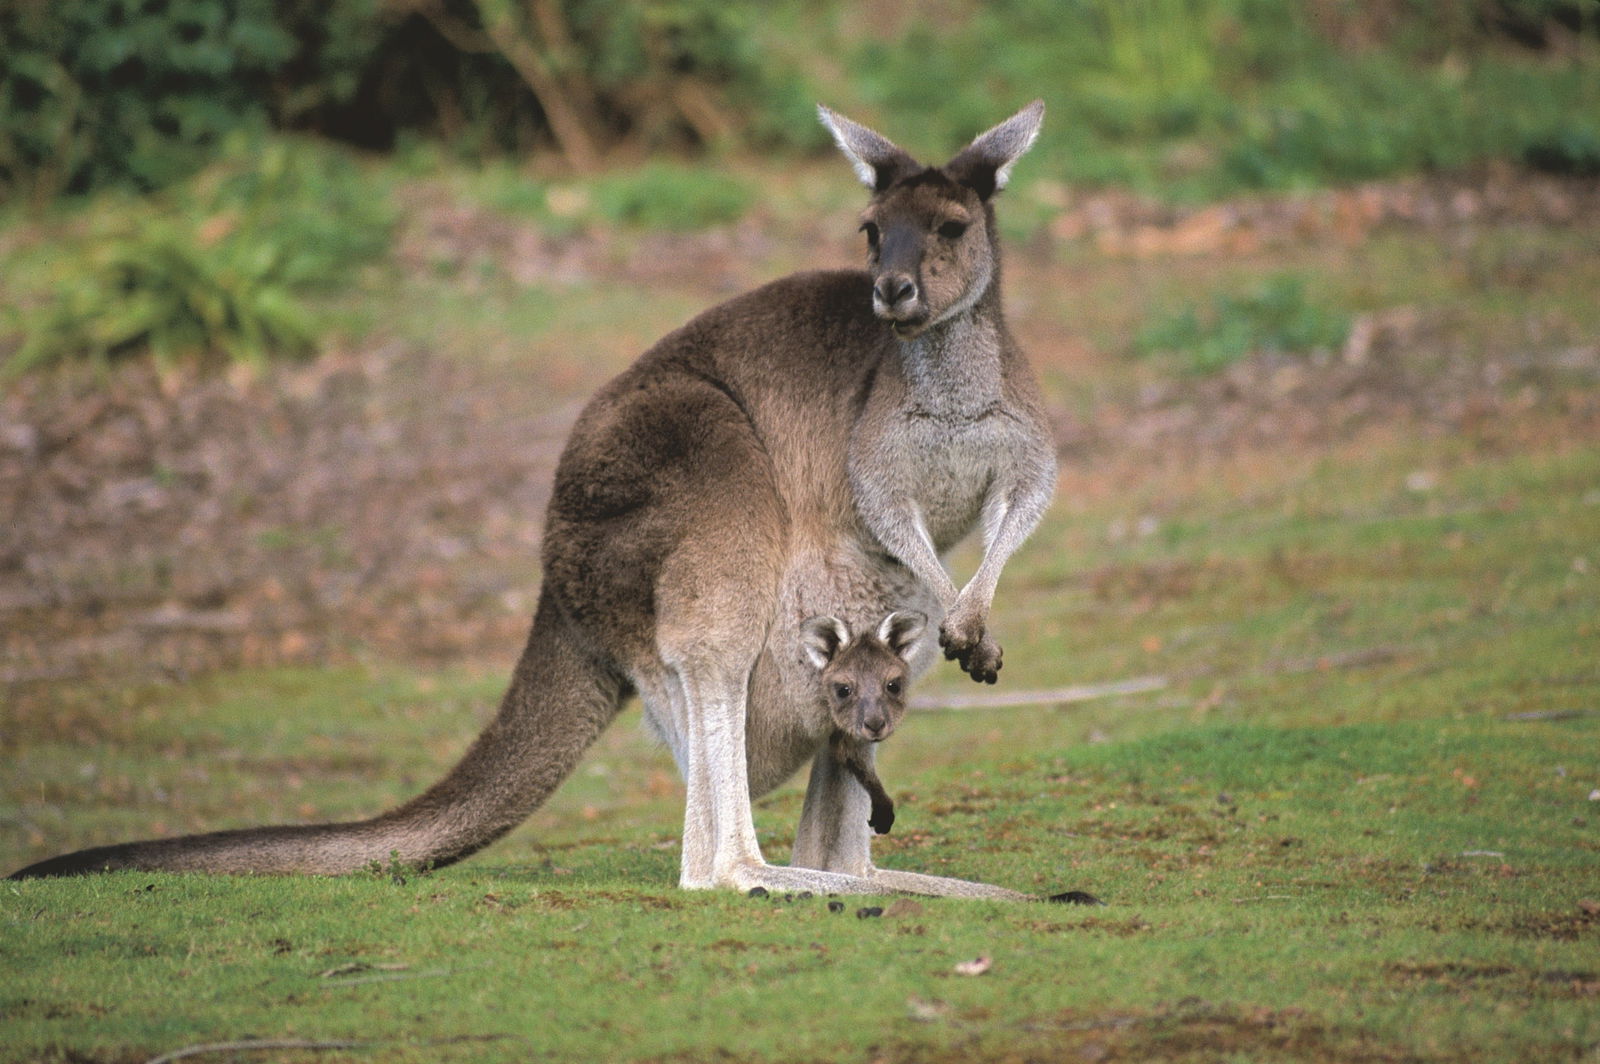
{"points": [[805, 449]]}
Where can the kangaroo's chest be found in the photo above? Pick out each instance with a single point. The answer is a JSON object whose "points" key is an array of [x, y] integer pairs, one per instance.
{"points": [[948, 468]]}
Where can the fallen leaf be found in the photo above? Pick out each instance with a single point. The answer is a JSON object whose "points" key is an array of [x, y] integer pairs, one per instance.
{"points": [[976, 966]]}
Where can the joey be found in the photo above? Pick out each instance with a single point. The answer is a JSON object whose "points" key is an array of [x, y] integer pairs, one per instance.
{"points": [[864, 680]]}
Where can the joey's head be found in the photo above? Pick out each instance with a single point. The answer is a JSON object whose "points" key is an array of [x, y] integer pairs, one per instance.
{"points": [[863, 677], [932, 250]]}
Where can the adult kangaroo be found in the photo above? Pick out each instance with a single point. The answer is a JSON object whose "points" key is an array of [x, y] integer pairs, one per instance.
{"points": [[809, 448]]}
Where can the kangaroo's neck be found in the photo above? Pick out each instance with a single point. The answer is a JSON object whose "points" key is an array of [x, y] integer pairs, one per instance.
{"points": [[955, 370]]}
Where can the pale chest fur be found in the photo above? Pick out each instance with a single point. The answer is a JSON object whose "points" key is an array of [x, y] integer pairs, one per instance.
{"points": [[942, 432], [946, 466]]}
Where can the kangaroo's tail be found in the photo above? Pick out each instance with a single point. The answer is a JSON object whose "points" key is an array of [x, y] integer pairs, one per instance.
{"points": [[560, 699]]}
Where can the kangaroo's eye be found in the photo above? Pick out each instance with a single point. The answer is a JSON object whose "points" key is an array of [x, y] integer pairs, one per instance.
{"points": [[893, 687], [872, 233], [841, 691], [952, 230]]}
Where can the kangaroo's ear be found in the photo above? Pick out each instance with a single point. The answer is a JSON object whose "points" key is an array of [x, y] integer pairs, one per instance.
{"points": [[901, 629], [877, 161], [985, 165], [821, 638]]}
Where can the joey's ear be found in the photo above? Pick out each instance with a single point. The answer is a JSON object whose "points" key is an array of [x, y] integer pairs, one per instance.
{"points": [[876, 159], [821, 638], [985, 165], [901, 629]]}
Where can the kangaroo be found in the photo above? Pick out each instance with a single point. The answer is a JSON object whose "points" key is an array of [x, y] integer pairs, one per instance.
{"points": [[863, 680], [807, 449]]}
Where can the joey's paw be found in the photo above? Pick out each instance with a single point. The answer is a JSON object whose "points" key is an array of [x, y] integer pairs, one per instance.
{"points": [[882, 818]]}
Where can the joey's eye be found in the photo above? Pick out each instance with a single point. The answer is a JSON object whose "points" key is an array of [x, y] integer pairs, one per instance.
{"points": [[841, 691], [893, 687], [872, 233], [952, 230]]}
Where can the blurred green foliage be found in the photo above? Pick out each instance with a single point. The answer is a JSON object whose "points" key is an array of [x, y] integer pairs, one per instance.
{"points": [[665, 196], [1179, 99], [1276, 317], [224, 264], [1182, 98], [138, 93], [1189, 99]]}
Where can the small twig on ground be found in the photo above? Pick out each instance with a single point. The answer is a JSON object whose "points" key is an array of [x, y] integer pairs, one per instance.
{"points": [[393, 977], [255, 1045], [1551, 714], [357, 967], [1359, 658], [1052, 696]]}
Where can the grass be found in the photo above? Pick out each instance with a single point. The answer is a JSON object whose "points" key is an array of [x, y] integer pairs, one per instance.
{"points": [[1277, 317], [1308, 853]]}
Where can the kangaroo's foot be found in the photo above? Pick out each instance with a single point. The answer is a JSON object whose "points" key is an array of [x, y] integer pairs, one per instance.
{"points": [[890, 881], [747, 876]]}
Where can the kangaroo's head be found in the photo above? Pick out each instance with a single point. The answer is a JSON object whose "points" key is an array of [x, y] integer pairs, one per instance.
{"points": [[863, 677], [931, 245]]}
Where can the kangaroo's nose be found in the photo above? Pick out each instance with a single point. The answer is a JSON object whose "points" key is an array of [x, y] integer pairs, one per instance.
{"points": [[875, 725], [894, 289]]}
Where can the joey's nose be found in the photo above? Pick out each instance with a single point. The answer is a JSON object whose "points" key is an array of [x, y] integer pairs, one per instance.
{"points": [[895, 290], [876, 727]]}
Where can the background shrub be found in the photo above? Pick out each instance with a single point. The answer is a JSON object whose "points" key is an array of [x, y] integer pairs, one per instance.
{"points": [[225, 264]]}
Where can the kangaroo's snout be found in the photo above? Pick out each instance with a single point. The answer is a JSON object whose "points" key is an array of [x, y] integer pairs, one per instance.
{"points": [[893, 293]]}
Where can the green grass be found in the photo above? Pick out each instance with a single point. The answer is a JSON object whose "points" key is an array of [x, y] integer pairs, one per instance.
{"points": [[1274, 318], [1307, 855]]}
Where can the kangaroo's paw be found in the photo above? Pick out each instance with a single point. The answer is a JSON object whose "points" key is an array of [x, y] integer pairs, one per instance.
{"points": [[978, 657]]}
